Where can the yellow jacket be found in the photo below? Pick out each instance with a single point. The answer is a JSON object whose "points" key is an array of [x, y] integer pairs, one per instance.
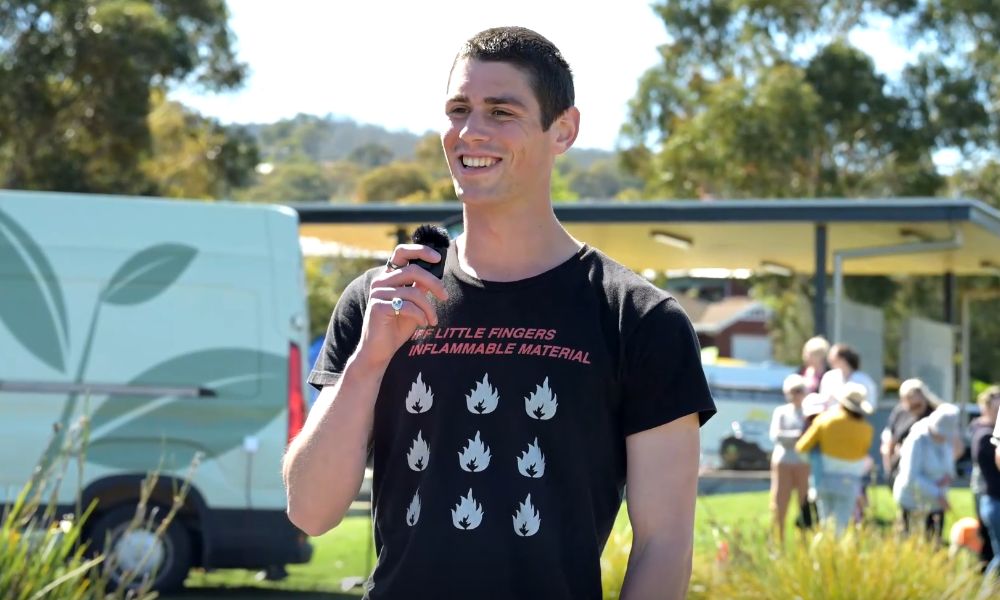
{"points": [[841, 437]]}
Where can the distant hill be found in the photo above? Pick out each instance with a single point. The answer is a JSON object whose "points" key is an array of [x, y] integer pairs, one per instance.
{"points": [[330, 138]]}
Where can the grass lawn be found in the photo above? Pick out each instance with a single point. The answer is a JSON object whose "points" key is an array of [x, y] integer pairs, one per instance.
{"points": [[342, 552]]}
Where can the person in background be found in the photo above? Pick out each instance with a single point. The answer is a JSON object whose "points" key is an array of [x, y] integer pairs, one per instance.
{"points": [[926, 470], [814, 365], [789, 470], [985, 482], [916, 402], [845, 365], [843, 436]]}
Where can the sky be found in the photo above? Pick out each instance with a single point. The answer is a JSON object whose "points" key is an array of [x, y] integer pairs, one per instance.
{"points": [[385, 62]]}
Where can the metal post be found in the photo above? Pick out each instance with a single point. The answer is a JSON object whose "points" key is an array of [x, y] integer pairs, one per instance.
{"points": [[950, 286], [838, 298], [965, 377], [819, 282], [854, 253]]}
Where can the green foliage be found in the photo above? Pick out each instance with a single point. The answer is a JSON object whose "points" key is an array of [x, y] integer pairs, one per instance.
{"points": [[856, 565], [326, 279], [393, 182], [982, 183], [196, 157], [734, 556], [768, 98], [76, 81], [370, 155], [326, 139], [559, 188], [45, 556], [292, 182]]}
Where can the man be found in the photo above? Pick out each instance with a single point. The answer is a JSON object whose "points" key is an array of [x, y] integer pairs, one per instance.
{"points": [[916, 402], [508, 404], [844, 368]]}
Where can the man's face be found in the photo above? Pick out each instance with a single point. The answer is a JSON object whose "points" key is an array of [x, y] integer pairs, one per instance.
{"points": [[833, 359], [493, 138]]}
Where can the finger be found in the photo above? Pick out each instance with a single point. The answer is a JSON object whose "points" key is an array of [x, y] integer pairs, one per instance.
{"points": [[403, 254], [408, 311], [410, 294], [412, 275]]}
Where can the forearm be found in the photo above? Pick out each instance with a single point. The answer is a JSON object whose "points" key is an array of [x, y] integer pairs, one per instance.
{"points": [[658, 568], [324, 466]]}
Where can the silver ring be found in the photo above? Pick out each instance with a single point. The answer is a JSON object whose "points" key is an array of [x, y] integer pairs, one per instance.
{"points": [[392, 266], [397, 305]]}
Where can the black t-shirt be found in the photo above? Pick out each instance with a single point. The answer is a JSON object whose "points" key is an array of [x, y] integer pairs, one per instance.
{"points": [[499, 435], [983, 452], [901, 420]]}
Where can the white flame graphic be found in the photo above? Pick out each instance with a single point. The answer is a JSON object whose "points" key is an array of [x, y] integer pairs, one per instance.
{"points": [[526, 519], [475, 456], [413, 513], [419, 454], [420, 398], [483, 399], [532, 461], [467, 514], [542, 403]]}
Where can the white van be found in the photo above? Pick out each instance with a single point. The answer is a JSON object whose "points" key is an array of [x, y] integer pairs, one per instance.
{"points": [[745, 398], [182, 326]]}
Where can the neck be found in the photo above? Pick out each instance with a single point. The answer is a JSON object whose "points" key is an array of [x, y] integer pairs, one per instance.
{"points": [[512, 242]]}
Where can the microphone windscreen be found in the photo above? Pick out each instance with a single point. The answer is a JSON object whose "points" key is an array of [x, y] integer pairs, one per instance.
{"points": [[436, 237]]}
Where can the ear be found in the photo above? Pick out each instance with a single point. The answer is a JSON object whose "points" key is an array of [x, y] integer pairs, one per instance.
{"points": [[565, 129]]}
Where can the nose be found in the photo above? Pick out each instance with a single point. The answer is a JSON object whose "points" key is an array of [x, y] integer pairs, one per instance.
{"points": [[475, 128]]}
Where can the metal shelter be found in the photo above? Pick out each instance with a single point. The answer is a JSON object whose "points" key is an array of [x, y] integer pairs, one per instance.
{"points": [[818, 237]]}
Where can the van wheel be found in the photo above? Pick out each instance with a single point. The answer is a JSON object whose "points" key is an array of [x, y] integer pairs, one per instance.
{"points": [[137, 556]]}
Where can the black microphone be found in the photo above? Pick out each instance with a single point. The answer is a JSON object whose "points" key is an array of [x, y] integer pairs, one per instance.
{"points": [[436, 237]]}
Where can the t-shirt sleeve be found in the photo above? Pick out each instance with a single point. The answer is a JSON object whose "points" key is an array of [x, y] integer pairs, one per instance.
{"points": [[663, 379], [342, 335]]}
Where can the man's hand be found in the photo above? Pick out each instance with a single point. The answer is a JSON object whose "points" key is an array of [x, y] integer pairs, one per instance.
{"points": [[384, 331]]}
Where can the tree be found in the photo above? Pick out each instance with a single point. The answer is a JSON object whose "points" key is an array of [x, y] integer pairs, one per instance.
{"points": [[326, 278], [768, 98], [371, 155], [76, 81], [292, 182], [196, 157], [981, 183], [393, 182]]}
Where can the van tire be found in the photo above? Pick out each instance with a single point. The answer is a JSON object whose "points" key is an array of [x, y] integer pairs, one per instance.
{"points": [[175, 545]]}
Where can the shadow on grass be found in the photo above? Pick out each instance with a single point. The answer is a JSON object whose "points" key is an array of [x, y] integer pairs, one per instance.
{"points": [[255, 593]]}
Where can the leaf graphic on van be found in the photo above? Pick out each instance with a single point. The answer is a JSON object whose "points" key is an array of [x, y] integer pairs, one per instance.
{"points": [[147, 273], [248, 390], [32, 304]]}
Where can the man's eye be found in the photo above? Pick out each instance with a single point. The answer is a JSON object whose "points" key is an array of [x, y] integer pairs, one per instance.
{"points": [[457, 110], [500, 113]]}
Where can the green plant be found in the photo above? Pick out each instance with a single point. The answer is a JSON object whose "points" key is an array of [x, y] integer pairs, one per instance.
{"points": [[863, 563], [45, 555]]}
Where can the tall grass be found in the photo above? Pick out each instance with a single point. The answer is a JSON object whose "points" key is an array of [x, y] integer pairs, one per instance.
{"points": [[870, 563], [45, 556]]}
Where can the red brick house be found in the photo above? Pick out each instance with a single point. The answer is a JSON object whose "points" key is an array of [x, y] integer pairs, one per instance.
{"points": [[736, 325]]}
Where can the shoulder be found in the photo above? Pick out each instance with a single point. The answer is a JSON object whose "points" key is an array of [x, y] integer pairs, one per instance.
{"points": [[630, 296]]}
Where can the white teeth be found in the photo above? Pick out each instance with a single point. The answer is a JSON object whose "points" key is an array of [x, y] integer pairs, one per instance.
{"points": [[478, 162]]}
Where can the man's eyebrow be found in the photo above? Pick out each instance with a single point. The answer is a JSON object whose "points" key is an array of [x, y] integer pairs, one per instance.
{"points": [[492, 100]]}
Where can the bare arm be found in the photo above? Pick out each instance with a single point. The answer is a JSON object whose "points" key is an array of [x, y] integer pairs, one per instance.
{"points": [[324, 466], [661, 487]]}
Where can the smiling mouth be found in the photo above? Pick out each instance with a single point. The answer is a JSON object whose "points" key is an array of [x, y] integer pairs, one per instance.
{"points": [[479, 162]]}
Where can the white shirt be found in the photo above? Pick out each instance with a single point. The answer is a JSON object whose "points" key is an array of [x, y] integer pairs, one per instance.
{"points": [[787, 423], [834, 379]]}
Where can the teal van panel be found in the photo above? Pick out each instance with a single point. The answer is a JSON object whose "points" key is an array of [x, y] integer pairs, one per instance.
{"points": [[149, 293]]}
